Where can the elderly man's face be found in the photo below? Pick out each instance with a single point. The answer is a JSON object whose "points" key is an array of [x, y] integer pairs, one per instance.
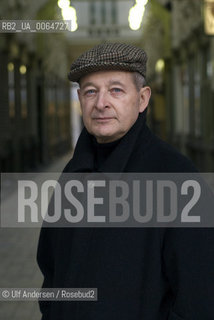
{"points": [[111, 103]]}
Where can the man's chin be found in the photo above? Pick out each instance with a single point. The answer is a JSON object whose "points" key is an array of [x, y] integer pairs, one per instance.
{"points": [[105, 138]]}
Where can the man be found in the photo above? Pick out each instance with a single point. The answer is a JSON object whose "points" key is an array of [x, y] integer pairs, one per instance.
{"points": [[140, 273]]}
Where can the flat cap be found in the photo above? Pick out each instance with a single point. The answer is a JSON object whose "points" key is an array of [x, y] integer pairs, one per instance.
{"points": [[109, 56]]}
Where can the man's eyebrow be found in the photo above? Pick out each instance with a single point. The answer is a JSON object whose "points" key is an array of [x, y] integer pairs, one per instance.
{"points": [[111, 82], [116, 82]]}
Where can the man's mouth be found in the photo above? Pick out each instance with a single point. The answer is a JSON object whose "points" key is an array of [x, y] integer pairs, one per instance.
{"points": [[103, 118]]}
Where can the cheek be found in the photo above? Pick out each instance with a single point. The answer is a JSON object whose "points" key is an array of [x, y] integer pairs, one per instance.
{"points": [[85, 116], [86, 110], [86, 119], [129, 114]]}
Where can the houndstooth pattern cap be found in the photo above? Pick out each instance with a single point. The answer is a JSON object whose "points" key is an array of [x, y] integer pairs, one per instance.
{"points": [[109, 56]]}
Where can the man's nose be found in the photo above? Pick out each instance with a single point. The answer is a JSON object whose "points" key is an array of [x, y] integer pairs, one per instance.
{"points": [[102, 101]]}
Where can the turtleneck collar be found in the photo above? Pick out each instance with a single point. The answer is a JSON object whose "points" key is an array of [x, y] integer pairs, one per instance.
{"points": [[102, 151]]}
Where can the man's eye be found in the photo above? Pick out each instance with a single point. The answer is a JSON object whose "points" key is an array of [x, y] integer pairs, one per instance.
{"points": [[116, 90], [90, 92]]}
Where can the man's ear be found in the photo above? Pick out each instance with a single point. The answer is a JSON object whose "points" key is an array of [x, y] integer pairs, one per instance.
{"points": [[79, 97], [145, 94]]}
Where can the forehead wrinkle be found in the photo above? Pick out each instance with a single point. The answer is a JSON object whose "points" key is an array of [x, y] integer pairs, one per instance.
{"points": [[114, 79], [110, 82], [116, 82], [107, 77]]}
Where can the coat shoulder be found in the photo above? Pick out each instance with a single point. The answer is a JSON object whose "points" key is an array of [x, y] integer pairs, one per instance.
{"points": [[159, 156]]}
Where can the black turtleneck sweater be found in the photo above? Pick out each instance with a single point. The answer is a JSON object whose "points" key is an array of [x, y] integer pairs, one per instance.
{"points": [[102, 151]]}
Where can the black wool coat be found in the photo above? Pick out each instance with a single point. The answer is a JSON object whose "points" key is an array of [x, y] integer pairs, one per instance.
{"points": [[140, 274]]}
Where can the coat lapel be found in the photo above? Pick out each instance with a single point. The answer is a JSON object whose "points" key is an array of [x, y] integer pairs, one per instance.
{"points": [[83, 158]]}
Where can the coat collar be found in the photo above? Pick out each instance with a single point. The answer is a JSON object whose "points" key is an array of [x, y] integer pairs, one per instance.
{"points": [[83, 159]]}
